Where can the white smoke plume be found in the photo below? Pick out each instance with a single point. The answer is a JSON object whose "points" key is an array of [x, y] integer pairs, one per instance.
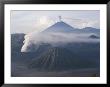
{"points": [[33, 40]]}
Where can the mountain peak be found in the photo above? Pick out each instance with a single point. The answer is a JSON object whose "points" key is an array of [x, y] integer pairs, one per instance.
{"points": [[60, 27]]}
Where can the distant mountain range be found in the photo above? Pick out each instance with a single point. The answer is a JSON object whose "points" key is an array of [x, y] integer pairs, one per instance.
{"points": [[64, 27]]}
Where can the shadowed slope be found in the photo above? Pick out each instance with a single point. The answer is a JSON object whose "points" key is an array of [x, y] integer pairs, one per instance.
{"points": [[56, 59]]}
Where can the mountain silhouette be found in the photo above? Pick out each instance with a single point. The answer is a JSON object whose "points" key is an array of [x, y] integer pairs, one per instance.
{"points": [[60, 27]]}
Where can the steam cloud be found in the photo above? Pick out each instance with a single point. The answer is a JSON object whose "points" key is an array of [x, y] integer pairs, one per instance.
{"points": [[33, 40]]}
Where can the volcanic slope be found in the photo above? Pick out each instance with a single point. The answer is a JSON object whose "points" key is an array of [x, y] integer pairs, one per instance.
{"points": [[58, 59]]}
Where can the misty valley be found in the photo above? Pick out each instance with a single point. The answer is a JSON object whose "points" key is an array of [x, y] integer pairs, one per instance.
{"points": [[58, 51]]}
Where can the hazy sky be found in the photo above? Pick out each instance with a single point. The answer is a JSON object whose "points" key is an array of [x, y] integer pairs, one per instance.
{"points": [[30, 21]]}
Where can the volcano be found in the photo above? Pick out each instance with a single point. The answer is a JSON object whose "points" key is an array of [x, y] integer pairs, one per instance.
{"points": [[54, 59], [60, 27], [58, 59]]}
